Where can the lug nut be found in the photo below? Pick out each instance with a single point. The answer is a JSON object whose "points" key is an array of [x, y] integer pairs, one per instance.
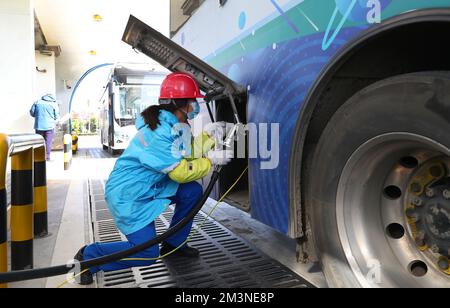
{"points": [[420, 242], [420, 239], [412, 215], [417, 201], [436, 171], [415, 219], [435, 249], [430, 193], [420, 235], [444, 264], [416, 188], [446, 194], [411, 212]]}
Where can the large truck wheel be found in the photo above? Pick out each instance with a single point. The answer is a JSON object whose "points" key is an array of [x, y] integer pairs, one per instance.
{"points": [[379, 187]]}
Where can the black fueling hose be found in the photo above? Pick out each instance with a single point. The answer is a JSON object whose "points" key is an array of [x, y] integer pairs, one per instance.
{"points": [[64, 269]]}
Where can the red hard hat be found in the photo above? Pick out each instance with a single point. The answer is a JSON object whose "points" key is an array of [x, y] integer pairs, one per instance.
{"points": [[180, 86]]}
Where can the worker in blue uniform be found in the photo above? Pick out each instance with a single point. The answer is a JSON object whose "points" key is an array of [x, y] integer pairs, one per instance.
{"points": [[159, 168]]}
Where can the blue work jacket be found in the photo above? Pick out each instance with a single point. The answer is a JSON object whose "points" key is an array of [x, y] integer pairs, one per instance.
{"points": [[46, 113], [139, 188]]}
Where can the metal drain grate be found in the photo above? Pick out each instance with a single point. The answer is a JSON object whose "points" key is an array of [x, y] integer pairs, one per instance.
{"points": [[226, 261]]}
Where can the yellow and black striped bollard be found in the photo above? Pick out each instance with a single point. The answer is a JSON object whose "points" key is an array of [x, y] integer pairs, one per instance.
{"points": [[22, 231], [40, 194], [67, 151], [74, 143], [3, 207]]}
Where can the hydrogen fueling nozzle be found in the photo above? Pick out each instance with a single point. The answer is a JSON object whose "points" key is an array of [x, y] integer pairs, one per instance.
{"points": [[234, 133], [238, 131], [231, 136]]}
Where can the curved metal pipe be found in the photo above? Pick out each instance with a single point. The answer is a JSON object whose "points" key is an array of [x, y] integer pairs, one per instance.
{"points": [[87, 73]]}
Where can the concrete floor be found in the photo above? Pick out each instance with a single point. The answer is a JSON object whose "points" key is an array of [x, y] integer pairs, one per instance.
{"points": [[69, 228], [44, 247], [66, 210]]}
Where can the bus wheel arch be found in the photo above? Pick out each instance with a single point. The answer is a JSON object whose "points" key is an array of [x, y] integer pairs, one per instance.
{"points": [[377, 54]]}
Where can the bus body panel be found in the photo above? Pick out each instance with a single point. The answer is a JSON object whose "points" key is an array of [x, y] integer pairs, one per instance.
{"points": [[278, 49]]}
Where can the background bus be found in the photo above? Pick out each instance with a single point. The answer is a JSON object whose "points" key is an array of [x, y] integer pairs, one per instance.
{"points": [[130, 90]]}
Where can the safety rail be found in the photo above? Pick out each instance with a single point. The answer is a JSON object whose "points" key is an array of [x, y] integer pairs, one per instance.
{"points": [[28, 210]]}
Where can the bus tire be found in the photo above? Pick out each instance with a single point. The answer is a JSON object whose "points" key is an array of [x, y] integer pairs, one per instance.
{"points": [[367, 168]]}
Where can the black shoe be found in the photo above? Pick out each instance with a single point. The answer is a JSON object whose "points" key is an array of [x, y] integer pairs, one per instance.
{"points": [[79, 256], [186, 251], [86, 278]]}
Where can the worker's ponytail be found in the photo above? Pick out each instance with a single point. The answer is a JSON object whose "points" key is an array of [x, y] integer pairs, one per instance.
{"points": [[151, 114]]}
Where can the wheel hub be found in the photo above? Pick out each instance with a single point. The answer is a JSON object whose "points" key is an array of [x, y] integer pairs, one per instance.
{"points": [[428, 213], [393, 212]]}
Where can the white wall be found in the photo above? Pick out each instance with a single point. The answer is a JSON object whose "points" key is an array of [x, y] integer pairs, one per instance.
{"points": [[17, 65], [45, 82], [64, 73]]}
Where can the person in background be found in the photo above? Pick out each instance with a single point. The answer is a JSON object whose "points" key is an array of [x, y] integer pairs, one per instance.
{"points": [[46, 113]]}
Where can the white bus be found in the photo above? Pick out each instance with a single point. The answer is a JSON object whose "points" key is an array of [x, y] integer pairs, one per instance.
{"points": [[129, 92]]}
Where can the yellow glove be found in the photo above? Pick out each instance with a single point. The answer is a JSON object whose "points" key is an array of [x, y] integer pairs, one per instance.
{"points": [[201, 145], [190, 171]]}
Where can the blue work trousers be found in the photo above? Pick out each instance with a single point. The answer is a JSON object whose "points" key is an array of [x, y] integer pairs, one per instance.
{"points": [[186, 198]]}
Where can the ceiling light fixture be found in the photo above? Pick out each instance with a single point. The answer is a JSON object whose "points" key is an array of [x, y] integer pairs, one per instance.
{"points": [[98, 18]]}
